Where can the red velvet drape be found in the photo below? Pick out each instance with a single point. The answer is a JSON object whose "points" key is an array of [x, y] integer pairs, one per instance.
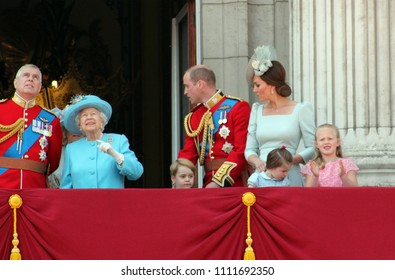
{"points": [[159, 224]]}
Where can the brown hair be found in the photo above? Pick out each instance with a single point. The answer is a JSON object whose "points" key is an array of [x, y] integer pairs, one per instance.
{"points": [[201, 72], [278, 157], [318, 156], [275, 76]]}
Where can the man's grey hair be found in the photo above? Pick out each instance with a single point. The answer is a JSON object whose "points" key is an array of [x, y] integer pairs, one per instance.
{"points": [[19, 73]]}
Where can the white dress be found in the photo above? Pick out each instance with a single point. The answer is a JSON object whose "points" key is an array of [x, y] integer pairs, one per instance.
{"points": [[266, 133]]}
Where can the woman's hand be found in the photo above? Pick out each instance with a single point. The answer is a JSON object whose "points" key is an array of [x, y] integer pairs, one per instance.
{"points": [[108, 149], [257, 163], [104, 146], [260, 165]]}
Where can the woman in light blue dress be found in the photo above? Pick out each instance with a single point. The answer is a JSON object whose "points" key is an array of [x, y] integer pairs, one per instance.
{"points": [[98, 160], [276, 120]]}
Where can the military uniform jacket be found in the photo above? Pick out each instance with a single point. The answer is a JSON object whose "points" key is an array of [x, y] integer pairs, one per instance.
{"points": [[220, 148], [38, 140]]}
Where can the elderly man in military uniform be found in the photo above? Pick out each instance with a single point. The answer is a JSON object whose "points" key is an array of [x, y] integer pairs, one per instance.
{"points": [[30, 136]]}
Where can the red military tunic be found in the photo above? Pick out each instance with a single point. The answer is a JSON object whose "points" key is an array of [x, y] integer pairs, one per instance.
{"points": [[31, 145], [219, 147]]}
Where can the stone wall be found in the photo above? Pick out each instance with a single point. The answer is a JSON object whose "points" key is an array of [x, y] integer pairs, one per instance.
{"points": [[339, 56], [342, 61]]}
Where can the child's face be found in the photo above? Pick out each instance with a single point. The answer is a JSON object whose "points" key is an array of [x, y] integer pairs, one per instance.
{"points": [[279, 173], [327, 141], [184, 178]]}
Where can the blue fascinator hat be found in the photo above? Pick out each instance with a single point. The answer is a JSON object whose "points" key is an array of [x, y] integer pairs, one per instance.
{"points": [[260, 61]]}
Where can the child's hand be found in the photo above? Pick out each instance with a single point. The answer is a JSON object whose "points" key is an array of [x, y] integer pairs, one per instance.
{"points": [[315, 169], [341, 169]]}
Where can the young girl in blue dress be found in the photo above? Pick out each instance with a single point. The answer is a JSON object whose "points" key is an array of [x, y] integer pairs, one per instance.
{"points": [[279, 162]]}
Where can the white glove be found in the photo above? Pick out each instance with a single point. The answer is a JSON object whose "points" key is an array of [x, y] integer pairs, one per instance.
{"points": [[108, 149]]}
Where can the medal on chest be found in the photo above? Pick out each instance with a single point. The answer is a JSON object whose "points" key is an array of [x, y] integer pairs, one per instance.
{"points": [[42, 127]]}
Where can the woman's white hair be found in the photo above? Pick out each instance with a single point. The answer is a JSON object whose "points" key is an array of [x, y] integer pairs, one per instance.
{"points": [[102, 116]]}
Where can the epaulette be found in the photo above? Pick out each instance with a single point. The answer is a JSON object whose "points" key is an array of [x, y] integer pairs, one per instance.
{"points": [[3, 100], [234, 97], [46, 109]]}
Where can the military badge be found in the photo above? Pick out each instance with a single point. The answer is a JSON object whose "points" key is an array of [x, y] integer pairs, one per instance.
{"points": [[227, 147], [43, 142], [43, 155], [222, 118], [42, 127], [224, 131]]}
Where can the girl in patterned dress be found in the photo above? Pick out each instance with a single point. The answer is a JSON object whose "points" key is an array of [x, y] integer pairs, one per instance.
{"points": [[329, 168]]}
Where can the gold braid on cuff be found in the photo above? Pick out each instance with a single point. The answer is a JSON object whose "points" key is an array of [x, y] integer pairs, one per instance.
{"points": [[223, 173]]}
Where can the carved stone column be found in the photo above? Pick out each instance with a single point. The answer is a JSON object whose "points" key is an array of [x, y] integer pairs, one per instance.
{"points": [[343, 61]]}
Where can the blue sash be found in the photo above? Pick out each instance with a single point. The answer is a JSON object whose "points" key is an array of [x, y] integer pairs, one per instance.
{"points": [[226, 106], [29, 138]]}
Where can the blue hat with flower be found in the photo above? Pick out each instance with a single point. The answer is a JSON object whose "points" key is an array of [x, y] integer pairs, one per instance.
{"points": [[81, 102], [260, 62]]}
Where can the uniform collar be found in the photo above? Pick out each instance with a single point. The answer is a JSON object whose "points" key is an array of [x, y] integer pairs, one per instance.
{"points": [[214, 99], [27, 104]]}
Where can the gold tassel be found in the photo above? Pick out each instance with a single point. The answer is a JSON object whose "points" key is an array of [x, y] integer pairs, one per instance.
{"points": [[249, 200], [206, 123], [15, 202]]}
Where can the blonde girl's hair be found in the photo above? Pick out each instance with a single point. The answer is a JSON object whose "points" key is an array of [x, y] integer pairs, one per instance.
{"points": [[181, 162], [339, 152]]}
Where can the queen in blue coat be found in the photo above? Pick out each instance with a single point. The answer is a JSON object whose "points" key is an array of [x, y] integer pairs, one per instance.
{"points": [[98, 160]]}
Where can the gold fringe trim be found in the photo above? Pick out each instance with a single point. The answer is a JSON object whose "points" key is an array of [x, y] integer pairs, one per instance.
{"points": [[15, 202], [12, 129], [249, 199], [207, 124]]}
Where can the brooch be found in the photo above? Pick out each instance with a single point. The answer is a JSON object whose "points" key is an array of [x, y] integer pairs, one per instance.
{"points": [[227, 147], [224, 131]]}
